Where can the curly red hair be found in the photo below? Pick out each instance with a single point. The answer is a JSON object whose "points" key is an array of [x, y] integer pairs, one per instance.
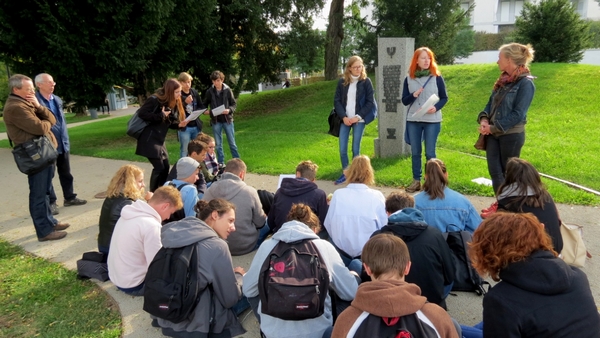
{"points": [[433, 67], [505, 238]]}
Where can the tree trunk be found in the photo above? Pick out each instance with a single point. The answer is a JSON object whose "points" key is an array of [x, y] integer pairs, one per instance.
{"points": [[333, 42], [80, 110]]}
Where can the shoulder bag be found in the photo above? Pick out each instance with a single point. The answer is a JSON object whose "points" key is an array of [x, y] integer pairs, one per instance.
{"points": [[34, 155], [334, 123]]}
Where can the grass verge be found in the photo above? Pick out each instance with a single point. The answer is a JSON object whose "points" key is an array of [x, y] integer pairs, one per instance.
{"points": [[43, 299]]}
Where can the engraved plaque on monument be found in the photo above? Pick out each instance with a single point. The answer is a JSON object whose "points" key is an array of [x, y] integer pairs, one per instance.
{"points": [[394, 55]]}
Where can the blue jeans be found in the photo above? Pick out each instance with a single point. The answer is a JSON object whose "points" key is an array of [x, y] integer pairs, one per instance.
{"points": [[358, 130], [417, 133], [262, 235], [241, 306], [229, 132], [185, 136], [39, 201], [472, 331], [498, 151], [136, 291]]}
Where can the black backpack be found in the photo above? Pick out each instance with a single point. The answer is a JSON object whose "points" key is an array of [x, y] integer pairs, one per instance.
{"points": [[171, 288], [466, 277], [408, 326], [179, 214], [293, 281]]}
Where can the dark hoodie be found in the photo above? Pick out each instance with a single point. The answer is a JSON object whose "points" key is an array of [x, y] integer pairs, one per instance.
{"points": [[541, 296], [296, 190], [214, 263], [432, 267]]}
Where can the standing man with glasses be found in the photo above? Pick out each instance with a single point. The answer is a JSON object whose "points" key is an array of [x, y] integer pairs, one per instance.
{"points": [[45, 84], [26, 119]]}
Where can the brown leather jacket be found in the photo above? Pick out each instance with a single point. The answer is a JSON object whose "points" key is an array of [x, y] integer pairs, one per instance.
{"points": [[25, 122]]}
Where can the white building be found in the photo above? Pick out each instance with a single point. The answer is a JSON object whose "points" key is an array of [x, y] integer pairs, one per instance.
{"points": [[494, 16]]}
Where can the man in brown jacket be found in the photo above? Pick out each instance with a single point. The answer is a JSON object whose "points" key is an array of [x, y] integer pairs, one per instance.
{"points": [[25, 119], [388, 297]]}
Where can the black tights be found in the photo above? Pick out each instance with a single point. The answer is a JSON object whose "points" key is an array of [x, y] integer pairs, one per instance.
{"points": [[160, 171]]}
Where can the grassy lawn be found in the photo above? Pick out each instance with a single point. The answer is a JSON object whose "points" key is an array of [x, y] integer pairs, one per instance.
{"points": [[70, 117], [43, 299], [277, 129]]}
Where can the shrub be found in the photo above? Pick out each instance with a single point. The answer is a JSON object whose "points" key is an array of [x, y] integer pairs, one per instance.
{"points": [[554, 29]]}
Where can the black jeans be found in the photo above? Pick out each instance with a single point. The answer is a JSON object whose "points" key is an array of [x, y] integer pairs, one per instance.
{"points": [[63, 168], [498, 151], [160, 171]]}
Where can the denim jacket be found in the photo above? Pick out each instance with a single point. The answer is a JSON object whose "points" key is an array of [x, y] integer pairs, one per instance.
{"points": [[512, 110], [452, 213]]}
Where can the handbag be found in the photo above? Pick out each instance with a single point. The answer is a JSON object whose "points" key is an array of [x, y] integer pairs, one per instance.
{"points": [[34, 155], [480, 144], [136, 126], [573, 251], [334, 123]]}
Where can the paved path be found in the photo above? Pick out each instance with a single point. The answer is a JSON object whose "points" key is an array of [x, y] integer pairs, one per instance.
{"points": [[92, 175]]}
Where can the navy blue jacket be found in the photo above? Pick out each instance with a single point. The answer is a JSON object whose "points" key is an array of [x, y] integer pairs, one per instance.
{"points": [[60, 128], [366, 107]]}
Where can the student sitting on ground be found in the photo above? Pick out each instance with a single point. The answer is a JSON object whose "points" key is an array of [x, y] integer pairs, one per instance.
{"points": [[538, 294], [187, 174], [443, 207], [432, 266], [301, 189], [197, 151], [136, 239], [356, 211], [210, 166], [388, 297], [302, 224], [126, 187], [250, 219], [215, 222]]}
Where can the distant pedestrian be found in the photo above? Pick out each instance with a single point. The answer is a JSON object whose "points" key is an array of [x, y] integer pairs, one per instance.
{"points": [[219, 94], [45, 84]]}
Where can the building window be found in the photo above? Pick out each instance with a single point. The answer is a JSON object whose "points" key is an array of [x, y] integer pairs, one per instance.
{"points": [[509, 10], [465, 6], [578, 5]]}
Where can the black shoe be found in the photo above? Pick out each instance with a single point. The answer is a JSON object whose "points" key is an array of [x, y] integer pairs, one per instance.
{"points": [[54, 208], [75, 201]]}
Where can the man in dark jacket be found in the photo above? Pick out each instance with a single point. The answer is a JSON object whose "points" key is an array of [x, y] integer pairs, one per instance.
{"points": [[219, 94], [45, 85], [301, 189], [432, 265]]}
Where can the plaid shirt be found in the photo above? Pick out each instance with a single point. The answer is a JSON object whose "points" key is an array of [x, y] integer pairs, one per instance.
{"points": [[211, 164]]}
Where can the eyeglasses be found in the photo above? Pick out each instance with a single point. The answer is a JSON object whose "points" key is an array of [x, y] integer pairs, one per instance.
{"points": [[52, 83], [213, 147], [357, 67]]}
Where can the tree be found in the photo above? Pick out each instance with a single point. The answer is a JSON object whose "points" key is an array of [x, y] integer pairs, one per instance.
{"points": [[464, 42], [554, 29], [333, 40], [433, 23], [594, 34], [303, 48]]}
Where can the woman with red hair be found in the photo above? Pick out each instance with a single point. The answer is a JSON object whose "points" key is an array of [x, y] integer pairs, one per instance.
{"points": [[538, 294], [423, 122]]}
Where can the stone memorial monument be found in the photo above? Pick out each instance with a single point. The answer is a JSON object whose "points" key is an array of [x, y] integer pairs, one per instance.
{"points": [[394, 56]]}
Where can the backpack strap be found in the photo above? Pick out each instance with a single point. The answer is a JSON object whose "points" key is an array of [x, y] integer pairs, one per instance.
{"points": [[178, 187]]}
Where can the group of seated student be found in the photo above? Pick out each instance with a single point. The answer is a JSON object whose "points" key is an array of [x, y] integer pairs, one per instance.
{"points": [[384, 238]]}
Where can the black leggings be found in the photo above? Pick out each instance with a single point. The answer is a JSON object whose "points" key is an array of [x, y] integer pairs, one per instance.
{"points": [[160, 171]]}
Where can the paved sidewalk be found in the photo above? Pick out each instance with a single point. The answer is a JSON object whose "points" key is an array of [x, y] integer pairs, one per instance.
{"points": [[92, 175]]}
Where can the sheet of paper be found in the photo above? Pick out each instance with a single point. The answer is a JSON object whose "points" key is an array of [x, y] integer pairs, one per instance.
{"points": [[281, 177], [433, 99], [218, 111], [482, 181], [194, 115]]}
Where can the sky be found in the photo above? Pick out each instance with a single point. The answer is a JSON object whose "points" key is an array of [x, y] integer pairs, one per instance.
{"points": [[320, 21]]}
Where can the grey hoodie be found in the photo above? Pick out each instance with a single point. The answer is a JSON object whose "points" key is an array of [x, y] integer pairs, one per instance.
{"points": [[342, 281], [249, 215], [214, 263]]}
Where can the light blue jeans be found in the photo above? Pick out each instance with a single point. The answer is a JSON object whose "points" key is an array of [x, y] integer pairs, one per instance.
{"points": [[358, 130], [417, 133], [185, 136], [229, 132]]}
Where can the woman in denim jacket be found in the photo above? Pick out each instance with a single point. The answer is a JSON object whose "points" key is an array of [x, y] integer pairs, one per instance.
{"points": [[441, 206], [504, 117], [354, 103]]}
